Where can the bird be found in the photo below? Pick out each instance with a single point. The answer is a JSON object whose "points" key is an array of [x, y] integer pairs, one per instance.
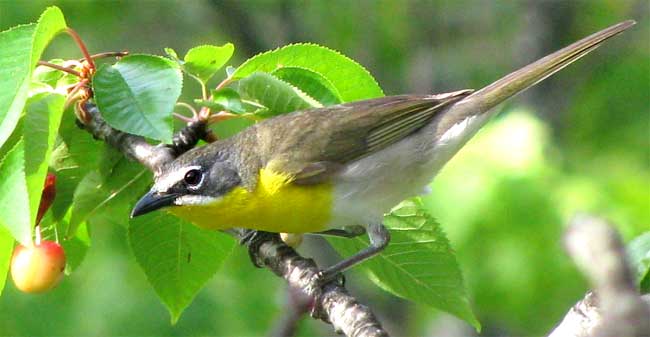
{"points": [[338, 169]]}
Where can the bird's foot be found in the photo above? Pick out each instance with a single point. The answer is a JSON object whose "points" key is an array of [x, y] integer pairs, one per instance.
{"points": [[323, 280], [252, 239]]}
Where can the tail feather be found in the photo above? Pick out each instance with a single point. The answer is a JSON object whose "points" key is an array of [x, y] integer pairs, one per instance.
{"points": [[522, 79]]}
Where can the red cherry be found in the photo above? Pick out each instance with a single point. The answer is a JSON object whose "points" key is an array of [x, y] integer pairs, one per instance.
{"points": [[47, 197], [38, 268]]}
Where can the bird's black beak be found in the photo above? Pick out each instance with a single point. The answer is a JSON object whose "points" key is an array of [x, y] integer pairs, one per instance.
{"points": [[153, 201]]}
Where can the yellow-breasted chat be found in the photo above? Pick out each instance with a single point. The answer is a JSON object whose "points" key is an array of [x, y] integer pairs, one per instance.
{"points": [[322, 169]]}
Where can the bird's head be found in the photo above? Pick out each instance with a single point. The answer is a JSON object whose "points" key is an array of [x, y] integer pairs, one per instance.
{"points": [[198, 177]]}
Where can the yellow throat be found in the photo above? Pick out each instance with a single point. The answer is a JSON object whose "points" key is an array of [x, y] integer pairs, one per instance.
{"points": [[276, 205]]}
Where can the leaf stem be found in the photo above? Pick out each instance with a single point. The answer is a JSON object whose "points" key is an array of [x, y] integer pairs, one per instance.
{"points": [[182, 118], [204, 91], [60, 68], [82, 46], [108, 54]]}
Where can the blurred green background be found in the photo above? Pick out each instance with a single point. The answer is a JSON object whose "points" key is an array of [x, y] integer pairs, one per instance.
{"points": [[580, 141]]}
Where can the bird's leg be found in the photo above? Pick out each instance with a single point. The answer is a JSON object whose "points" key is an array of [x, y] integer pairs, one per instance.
{"points": [[379, 237], [347, 232]]}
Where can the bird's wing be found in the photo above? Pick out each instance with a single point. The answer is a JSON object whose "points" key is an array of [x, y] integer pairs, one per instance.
{"points": [[310, 145]]}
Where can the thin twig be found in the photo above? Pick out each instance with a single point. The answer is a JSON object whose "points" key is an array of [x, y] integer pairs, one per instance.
{"points": [[133, 147], [332, 302]]}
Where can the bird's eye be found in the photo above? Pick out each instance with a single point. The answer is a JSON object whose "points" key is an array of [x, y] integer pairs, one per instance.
{"points": [[193, 177]]}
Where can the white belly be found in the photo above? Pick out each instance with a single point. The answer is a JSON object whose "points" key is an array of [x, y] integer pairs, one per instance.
{"points": [[369, 187]]}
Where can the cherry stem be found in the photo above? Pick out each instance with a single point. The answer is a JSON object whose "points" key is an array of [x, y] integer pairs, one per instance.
{"points": [[72, 95], [182, 118], [82, 47], [195, 114], [205, 112], [37, 234], [61, 68], [109, 54], [221, 116], [224, 83]]}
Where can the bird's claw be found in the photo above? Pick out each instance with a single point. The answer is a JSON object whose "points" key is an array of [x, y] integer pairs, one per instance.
{"points": [[321, 280], [253, 239], [323, 277]]}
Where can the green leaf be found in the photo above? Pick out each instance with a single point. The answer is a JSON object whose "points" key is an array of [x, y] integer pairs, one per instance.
{"points": [[6, 250], [224, 99], [75, 156], [36, 88], [15, 65], [352, 81], [13, 139], [50, 23], [106, 199], [29, 160], [418, 264], [20, 49], [203, 62], [138, 93], [41, 125], [276, 95], [14, 199], [76, 247], [177, 257], [310, 82], [639, 253], [644, 285]]}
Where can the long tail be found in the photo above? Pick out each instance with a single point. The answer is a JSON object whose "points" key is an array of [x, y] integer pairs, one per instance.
{"points": [[485, 99]]}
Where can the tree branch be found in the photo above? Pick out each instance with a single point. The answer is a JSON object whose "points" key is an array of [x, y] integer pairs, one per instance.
{"points": [[331, 301], [615, 307], [132, 146]]}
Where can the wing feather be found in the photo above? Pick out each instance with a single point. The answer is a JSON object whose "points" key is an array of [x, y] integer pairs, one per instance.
{"points": [[312, 144]]}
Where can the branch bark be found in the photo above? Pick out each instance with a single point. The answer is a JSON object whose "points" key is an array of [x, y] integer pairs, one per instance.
{"points": [[331, 302], [615, 308]]}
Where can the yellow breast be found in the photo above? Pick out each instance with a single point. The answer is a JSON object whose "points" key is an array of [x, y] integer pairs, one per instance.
{"points": [[276, 205]]}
